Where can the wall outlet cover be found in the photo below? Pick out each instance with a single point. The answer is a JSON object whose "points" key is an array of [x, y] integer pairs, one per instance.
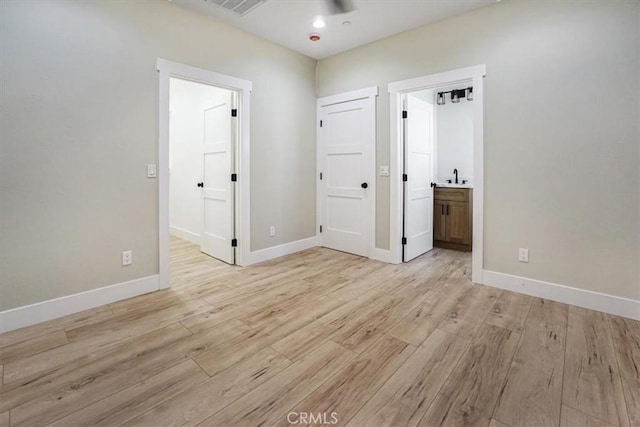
{"points": [[127, 258], [151, 171], [384, 170], [523, 255]]}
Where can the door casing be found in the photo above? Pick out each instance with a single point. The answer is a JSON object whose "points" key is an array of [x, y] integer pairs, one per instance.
{"points": [[473, 75], [167, 69]]}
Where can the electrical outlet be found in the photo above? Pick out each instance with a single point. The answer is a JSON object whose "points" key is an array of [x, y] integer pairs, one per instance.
{"points": [[151, 171], [272, 230], [384, 170], [127, 258], [523, 255]]}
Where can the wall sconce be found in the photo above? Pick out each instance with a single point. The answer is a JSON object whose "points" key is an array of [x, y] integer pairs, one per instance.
{"points": [[456, 94]]}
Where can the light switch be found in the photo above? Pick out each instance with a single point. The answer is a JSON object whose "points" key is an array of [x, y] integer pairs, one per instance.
{"points": [[151, 171], [384, 170]]}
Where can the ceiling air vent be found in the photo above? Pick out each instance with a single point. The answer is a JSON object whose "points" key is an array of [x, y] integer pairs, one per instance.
{"points": [[240, 7]]}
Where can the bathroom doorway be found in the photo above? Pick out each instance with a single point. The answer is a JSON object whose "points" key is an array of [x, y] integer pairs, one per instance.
{"points": [[437, 148]]}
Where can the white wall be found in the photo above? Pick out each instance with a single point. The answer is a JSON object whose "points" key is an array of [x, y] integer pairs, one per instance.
{"points": [[79, 104], [561, 139], [186, 132], [454, 141]]}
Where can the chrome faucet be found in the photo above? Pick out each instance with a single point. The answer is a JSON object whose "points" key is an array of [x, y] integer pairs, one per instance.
{"points": [[455, 172]]}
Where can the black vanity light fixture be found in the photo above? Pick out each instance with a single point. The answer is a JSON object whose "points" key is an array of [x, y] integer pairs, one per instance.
{"points": [[456, 95]]}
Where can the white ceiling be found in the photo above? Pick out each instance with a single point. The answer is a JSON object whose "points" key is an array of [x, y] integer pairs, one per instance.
{"points": [[288, 22]]}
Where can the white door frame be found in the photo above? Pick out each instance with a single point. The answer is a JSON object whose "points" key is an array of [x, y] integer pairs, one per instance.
{"points": [[168, 69], [474, 75], [369, 94]]}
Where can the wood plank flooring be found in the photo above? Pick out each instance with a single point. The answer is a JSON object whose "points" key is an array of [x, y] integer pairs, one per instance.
{"points": [[324, 337]]}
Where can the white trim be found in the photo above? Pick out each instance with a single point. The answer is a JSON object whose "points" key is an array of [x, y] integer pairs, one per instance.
{"points": [[475, 75], [282, 250], [169, 69], [611, 304], [383, 255], [52, 309], [369, 93], [183, 234]]}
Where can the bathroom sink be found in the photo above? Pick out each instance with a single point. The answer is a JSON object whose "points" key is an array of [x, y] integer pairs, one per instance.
{"points": [[447, 185]]}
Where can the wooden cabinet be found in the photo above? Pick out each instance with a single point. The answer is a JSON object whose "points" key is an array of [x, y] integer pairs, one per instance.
{"points": [[439, 220], [452, 218]]}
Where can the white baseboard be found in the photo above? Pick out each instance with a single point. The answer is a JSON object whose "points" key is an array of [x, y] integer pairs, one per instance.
{"points": [[281, 250], [383, 255], [185, 235], [611, 304], [63, 306]]}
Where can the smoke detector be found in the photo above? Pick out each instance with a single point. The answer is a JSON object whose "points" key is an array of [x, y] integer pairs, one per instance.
{"points": [[239, 7]]}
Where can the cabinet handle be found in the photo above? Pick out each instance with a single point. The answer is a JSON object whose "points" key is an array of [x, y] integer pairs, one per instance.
{"points": [[442, 209]]}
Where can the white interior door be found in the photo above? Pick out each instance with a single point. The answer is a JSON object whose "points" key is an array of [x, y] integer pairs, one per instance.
{"points": [[217, 188], [347, 139], [418, 194]]}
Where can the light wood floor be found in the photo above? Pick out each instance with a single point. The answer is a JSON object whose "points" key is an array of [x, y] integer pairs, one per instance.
{"points": [[324, 332]]}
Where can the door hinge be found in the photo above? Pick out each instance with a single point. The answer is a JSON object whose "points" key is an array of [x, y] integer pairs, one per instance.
{"points": [[320, 123], [404, 114], [234, 243], [321, 229], [404, 240], [234, 177], [320, 176], [234, 112], [405, 178]]}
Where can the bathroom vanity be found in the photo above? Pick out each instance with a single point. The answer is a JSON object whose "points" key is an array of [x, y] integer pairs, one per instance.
{"points": [[452, 216]]}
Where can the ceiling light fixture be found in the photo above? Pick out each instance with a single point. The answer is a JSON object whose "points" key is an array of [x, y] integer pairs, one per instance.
{"points": [[319, 23]]}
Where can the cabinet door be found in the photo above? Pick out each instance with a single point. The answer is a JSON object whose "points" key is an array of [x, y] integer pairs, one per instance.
{"points": [[439, 220], [458, 223]]}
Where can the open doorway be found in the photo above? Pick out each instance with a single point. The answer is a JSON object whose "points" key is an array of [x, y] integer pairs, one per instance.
{"points": [[438, 169], [202, 145], [437, 165], [220, 178]]}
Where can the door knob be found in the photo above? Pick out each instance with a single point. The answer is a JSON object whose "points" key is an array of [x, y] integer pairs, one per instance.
{"points": [[364, 185], [201, 184], [433, 185]]}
